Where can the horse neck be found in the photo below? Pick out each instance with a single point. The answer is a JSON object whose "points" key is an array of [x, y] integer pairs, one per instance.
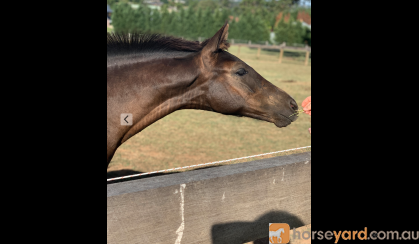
{"points": [[151, 90]]}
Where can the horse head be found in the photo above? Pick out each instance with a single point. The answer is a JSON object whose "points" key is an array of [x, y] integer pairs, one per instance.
{"points": [[235, 88]]}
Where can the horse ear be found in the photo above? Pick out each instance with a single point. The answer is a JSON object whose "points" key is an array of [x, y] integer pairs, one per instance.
{"points": [[217, 42]]}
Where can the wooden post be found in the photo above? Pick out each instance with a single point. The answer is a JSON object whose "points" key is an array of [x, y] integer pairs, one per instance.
{"points": [[307, 54], [258, 52], [280, 55], [238, 51], [232, 41]]}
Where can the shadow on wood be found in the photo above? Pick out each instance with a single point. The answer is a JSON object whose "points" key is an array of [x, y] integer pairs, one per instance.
{"points": [[250, 231]]}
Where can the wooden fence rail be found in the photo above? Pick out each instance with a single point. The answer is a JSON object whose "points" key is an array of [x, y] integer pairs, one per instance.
{"points": [[230, 204], [281, 47]]}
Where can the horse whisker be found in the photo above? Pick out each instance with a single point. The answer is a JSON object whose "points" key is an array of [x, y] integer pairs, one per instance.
{"points": [[297, 112]]}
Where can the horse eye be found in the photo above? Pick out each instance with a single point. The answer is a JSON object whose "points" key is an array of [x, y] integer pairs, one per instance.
{"points": [[241, 72]]}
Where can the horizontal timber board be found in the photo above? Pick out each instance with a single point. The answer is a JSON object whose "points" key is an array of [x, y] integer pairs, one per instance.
{"points": [[225, 204], [301, 49]]}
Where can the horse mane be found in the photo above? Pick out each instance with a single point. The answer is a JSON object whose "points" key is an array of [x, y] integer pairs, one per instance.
{"points": [[126, 44], [123, 44]]}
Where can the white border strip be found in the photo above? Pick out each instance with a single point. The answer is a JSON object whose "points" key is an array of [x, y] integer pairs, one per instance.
{"points": [[196, 165]]}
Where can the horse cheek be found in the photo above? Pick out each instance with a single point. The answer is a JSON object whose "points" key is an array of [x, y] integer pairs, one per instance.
{"points": [[224, 100]]}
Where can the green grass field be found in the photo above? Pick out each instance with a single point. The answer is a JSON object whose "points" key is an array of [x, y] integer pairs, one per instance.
{"points": [[189, 137]]}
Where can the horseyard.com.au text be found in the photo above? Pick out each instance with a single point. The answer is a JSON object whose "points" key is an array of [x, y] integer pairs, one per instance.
{"points": [[356, 235]]}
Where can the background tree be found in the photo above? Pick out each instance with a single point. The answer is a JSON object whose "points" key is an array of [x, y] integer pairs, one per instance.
{"points": [[190, 24], [155, 21], [207, 23], [225, 4], [251, 19], [142, 20], [199, 24], [258, 30], [281, 31], [250, 27], [207, 4], [242, 26], [112, 3], [290, 32], [165, 19], [123, 18], [220, 16], [192, 4], [181, 25], [233, 29], [266, 9], [307, 37], [172, 28]]}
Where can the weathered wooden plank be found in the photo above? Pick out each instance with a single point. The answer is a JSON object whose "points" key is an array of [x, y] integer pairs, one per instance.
{"points": [[225, 204], [280, 47]]}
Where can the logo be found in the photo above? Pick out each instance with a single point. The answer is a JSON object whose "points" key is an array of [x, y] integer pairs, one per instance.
{"points": [[279, 233]]}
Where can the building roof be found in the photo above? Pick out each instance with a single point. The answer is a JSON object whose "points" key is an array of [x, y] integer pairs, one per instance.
{"points": [[301, 16], [109, 9]]}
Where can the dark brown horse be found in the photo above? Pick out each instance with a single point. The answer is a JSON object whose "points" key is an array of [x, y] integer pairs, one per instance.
{"points": [[151, 76]]}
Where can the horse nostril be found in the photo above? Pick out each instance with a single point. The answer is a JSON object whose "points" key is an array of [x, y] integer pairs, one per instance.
{"points": [[294, 105]]}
